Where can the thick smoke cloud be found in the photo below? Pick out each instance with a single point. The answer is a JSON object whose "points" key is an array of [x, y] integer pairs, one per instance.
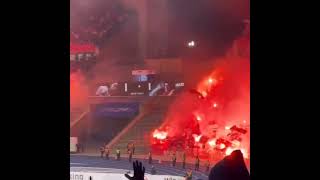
{"points": [[227, 101], [78, 90]]}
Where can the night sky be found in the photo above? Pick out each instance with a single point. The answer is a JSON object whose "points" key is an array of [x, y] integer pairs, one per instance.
{"points": [[213, 23]]}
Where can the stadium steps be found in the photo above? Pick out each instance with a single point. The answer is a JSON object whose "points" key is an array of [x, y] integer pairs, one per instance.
{"points": [[75, 114], [94, 142], [78, 124], [141, 132], [144, 110]]}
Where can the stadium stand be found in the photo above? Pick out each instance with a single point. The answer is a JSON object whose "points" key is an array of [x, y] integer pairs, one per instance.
{"points": [[78, 124], [141, 131], [139, 134], [101, 130], [94, 24], [105, 45], [75, 114]]}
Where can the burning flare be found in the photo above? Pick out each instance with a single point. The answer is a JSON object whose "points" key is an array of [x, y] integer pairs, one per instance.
{"points": [[197, 138], [161, 135]]}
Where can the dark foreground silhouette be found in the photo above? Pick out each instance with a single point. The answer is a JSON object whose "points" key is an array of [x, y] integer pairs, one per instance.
{"points": [[230, 168], [138, 171]]}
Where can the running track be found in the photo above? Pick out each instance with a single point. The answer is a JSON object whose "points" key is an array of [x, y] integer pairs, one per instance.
{"points": [[96, 164]]}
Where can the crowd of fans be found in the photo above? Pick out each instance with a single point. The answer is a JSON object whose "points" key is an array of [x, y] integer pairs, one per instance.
{"points": [[90, 26], [95, 24]]}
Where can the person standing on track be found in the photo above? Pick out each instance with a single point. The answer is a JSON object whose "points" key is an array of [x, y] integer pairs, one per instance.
{"points": [[174, 159], [150, 158], [130, 155], [133, 147], [78, 147], [102, 151], [128, 147], [184, 160], [81, 147], [107, 152], [118, 154], [197, 164], [207, 166]]}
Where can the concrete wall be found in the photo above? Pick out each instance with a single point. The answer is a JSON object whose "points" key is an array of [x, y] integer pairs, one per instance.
{"points": [[165, 65], [141, 8]]}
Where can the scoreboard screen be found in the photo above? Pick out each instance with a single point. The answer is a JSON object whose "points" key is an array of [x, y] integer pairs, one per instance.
{"points": [[145, 88]]}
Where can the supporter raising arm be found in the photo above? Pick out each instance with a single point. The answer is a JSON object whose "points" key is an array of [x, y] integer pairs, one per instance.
{"points": [[138, 171]]}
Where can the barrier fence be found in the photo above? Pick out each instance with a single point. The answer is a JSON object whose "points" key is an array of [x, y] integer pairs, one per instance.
{"points": [[117, 176]]}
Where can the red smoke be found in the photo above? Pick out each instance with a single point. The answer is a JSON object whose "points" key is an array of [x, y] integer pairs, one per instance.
{"points": [[218, 108], [78, 90]]}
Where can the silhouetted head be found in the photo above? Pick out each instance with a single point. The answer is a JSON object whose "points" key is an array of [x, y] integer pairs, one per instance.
{"points": [[232, 167]]}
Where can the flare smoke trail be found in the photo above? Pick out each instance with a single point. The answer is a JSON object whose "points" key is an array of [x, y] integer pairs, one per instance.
{"points": [[224, 102], [78, 90]]}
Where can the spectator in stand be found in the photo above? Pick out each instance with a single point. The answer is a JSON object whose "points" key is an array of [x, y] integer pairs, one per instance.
{"points": [[102, 91], [96, 25]]}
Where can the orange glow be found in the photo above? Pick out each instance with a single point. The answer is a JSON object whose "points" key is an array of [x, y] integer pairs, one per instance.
{"points": [[160, 134], [204, 93], [229, 151], [222, 146], [197, 138], [245, 153], [215, 105], [212, 142], [236, 143], [224, 96]]}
